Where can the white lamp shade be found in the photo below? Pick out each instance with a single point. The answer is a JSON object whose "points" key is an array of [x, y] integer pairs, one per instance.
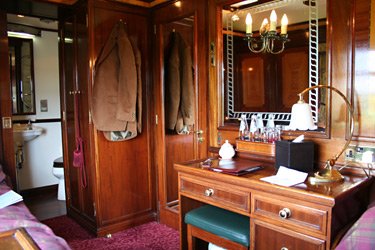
{"points": [[301, 117]]}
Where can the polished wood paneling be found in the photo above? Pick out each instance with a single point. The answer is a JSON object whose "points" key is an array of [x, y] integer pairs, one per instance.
{"points": [[255, 68], [74, 77], [120, 190], [268, 236], [6, 135], [179, 148], [362, 89], [125, 184], [209, 192], [294, 64], [302, 218], [169, 147]]}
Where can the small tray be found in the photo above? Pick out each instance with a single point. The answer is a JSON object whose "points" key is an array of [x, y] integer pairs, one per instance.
{"points": [[261, 148]]}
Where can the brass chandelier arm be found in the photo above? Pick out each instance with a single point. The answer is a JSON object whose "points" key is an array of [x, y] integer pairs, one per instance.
{"points": [[331, 162], [251, 47], [267, 40]]}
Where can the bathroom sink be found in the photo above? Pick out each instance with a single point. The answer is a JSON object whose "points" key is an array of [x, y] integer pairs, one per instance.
{"points": [[25, 132]]}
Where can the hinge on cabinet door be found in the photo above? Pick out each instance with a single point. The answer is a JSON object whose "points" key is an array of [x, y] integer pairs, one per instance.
{"points": [[158, 208], [212, 54], [156, 119], [93, 204], [63, 116], [90, 119], [155, 29]]}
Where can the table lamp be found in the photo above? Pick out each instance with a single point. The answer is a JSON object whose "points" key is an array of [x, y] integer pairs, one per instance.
{"points": [[301, 119]]}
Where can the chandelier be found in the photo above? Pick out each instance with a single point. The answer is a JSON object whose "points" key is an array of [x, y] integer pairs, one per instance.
{"points": [[267, 35]]}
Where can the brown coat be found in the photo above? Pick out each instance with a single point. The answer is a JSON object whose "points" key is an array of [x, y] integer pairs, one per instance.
{"points": [[179, 85], [117, 85]]}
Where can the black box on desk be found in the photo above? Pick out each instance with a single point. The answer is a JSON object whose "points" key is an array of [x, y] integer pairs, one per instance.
{"points": [[295, 155]]}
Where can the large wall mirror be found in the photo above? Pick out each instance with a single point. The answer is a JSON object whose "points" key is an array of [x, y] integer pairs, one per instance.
{"points": [[267, 83], [22, 75]]}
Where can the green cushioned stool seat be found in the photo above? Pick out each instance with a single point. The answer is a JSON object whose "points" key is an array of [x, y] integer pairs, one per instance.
{"points": [[221, 222]]}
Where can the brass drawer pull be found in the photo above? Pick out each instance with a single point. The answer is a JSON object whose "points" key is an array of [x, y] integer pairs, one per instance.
{"points": [[209, 192], [285, 213]]}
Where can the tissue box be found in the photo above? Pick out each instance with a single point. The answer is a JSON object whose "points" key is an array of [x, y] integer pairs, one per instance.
{"points": [[295, 155]]}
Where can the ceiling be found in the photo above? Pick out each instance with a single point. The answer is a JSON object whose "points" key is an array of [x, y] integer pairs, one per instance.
{"points": [[42, 23], [143, 3], [48, 9]]}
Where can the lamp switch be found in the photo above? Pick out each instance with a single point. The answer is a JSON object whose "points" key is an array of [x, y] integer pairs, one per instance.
{"points": [[359, 149]]}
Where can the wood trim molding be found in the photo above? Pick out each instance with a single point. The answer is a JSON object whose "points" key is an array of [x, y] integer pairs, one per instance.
{"points": [[143, 3], [372, 26]]}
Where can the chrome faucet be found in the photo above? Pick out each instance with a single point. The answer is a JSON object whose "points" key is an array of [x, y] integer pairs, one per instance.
{"points": [[29, 125]]}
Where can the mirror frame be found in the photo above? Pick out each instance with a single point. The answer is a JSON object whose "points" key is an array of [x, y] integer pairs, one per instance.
{"points": [[231, 121], [15, 76]]}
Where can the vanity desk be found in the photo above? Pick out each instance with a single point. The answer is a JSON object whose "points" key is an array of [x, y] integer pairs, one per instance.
{"points": [[305, 216]]}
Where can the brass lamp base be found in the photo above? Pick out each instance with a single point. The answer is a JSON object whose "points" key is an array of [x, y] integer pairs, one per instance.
{"points": [[326, 175]]}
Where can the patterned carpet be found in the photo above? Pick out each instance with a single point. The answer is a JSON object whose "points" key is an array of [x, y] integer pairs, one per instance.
{"points": [[144, 237]]}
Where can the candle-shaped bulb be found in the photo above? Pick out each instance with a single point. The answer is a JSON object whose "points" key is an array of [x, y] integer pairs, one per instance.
{"points": [[249, 24], [264, 27], [284, 24], [273, 21]]}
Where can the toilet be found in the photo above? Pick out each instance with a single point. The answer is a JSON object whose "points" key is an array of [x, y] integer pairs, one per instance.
{"points": [[58, 172]]}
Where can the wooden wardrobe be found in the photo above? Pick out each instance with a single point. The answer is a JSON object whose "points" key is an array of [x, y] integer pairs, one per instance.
{"points": [[120, 190]]}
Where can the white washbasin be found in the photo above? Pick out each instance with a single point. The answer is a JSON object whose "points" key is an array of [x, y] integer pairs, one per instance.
{"points": [[24, 132]]}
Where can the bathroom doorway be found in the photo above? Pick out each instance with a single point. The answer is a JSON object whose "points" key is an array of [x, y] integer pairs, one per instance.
{"points": [[34, 159]]}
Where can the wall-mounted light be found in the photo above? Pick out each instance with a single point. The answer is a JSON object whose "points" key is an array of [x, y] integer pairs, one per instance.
{"points": [[22, 31], [267, 34], [20, 35]]}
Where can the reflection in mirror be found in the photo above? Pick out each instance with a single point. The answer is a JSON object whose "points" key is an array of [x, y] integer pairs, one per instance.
{"points": [[22, 75], [175, 51], [267, 83]]}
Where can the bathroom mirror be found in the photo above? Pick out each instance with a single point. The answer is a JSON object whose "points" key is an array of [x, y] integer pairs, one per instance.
{"points": [[268, 83], [22, 75]]}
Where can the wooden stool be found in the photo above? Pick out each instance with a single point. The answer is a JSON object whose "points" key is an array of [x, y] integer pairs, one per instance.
{"points": [[218, 226]]}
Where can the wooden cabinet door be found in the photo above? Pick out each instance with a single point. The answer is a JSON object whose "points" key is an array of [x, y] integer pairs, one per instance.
{"points": [[74, 72], [125, 180], [170, 147], [266, 236]]}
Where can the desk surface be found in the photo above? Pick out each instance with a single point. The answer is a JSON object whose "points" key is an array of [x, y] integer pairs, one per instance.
{"points": [[326, 193], [318, 212]]}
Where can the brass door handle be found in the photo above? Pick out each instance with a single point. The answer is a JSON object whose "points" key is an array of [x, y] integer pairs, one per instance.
{"points": [[199, 134]]}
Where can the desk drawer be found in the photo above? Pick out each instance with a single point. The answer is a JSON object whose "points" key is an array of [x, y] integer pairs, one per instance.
{"points": [[225, 195], [266, 236], [290, 213]]}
